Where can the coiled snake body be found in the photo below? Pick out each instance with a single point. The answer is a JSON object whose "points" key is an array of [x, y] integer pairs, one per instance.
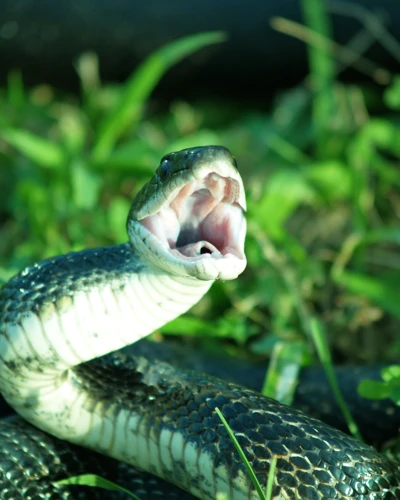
{"points": [[186, 229]]}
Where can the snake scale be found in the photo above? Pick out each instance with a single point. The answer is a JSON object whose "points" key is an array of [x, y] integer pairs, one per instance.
{"points": [[62, 316]]}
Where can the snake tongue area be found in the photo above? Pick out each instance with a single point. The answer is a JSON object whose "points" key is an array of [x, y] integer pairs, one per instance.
{"points": [[203, 219]]}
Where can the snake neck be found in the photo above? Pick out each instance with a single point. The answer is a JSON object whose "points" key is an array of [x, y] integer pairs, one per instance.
{"points": [[110, 299]]}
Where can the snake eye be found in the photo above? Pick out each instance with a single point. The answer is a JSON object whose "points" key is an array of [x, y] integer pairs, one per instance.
{"points": [[165, 168]]}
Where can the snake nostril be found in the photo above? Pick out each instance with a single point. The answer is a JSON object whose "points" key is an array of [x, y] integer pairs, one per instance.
{"points": [[205, 250]]}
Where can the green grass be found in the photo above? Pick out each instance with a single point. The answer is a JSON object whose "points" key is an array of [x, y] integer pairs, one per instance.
{"points": [[95, 481], [263, 495], [322, 175]]}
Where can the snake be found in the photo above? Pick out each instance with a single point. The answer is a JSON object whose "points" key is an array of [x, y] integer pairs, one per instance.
{"points": [[62, 317]]}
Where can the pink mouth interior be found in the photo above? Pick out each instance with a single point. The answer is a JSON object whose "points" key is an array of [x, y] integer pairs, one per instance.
{"points": [[204, 219]]}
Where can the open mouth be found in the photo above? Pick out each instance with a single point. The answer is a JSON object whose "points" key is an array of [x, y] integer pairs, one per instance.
{"points": [[203, 220]]}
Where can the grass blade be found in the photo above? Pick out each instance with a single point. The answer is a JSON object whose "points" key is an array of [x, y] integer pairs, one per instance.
{"points": [[283, 372], [93, 480], [252, 475], [140, 85], [270, 481], [325, 357], [41, 151], [322, 69]]}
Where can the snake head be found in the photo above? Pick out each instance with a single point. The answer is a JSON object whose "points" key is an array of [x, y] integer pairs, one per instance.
{"points": [[189, 219]]}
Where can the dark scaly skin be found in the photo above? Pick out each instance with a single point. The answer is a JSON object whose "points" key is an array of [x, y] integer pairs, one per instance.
{"points": [[57, 277], [378, 420], [314, 459], [186, 402], [23, 445], [34, 448], [31, 461]]}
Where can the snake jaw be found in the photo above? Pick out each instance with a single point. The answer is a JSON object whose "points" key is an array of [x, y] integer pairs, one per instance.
{"points": [[195, 225]]}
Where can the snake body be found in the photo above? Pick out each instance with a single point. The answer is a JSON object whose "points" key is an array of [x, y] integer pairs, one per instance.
{"points": [[60, 316]]}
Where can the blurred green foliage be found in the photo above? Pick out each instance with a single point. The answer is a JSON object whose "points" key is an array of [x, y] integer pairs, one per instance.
{"points": [[324, 208], [388, 388]]}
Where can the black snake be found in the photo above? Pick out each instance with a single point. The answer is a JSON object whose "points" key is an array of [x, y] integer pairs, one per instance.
{"points": [[186, 229]]}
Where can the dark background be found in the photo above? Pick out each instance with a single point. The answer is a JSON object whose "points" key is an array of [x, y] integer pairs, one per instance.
{"points": [[44, 37]]}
